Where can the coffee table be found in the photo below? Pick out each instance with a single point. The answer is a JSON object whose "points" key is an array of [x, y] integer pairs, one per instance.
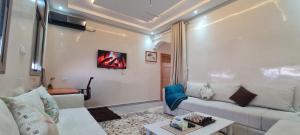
{"points": [[220, 124]]}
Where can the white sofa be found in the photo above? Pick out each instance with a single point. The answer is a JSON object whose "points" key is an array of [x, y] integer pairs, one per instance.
{"points": [[74, 118], [250, 120]]}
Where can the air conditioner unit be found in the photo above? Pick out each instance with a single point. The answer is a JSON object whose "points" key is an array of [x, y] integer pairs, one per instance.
{"points": [[66, 21]]}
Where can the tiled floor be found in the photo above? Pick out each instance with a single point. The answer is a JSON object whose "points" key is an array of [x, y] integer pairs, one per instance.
{"points": [[135, 107]]}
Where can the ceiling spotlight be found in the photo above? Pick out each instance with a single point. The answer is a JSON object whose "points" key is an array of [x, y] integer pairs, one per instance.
{"points": [[196, 12], [92, 1], [60, 8]]}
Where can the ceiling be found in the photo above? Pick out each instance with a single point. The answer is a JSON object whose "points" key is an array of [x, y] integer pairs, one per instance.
{"points": [[145, 16]]}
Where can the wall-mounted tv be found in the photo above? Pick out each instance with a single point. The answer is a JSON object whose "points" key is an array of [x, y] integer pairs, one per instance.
{"points": [[111, 59]]}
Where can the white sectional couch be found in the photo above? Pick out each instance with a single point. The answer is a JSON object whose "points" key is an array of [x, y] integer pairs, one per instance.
{"points": [[74, 118], [250, 120]]}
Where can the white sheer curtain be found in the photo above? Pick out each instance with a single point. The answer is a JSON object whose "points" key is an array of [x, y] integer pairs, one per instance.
{"points": [[179, 60]]}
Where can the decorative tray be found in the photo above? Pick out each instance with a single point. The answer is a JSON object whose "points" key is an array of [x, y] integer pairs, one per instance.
{"points": [[199, 120]]}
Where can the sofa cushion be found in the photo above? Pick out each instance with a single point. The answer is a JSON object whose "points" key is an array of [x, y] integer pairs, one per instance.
{"points": [[8, 126], [223, 91], [243, 97], [194, 89], [270, 117], [248, 116], [206, 93], [50, 104], [33, 99], [275, 97], [29, 119], [78, 121]]}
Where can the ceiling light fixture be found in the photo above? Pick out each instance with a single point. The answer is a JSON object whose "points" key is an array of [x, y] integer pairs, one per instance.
{"points": [[196, 12], [152, 33], [60, 8], [92, 1]]}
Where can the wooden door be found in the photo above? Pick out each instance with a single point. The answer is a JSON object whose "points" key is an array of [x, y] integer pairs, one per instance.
{"points": [[165, 72]]}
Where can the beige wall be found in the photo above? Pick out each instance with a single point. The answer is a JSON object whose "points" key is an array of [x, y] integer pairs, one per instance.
{"points": [[247, 41], [20, 38], [71, 59]]}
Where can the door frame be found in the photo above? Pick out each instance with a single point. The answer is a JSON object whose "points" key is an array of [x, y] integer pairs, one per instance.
{"points": [[161, 76]]}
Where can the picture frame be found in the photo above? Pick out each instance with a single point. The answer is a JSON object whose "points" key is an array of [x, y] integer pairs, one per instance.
{"points": [[150, 56]]}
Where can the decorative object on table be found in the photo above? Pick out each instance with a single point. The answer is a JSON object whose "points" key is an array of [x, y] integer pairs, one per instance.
{"points": [[49, 87], [179, 124], [199, 120], [179, 132], [150, 56]]}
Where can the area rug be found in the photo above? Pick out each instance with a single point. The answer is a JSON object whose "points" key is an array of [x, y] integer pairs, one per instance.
{"points": [[132, 123], [103, 114]]}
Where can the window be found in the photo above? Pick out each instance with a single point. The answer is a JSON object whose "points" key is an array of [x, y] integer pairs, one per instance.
{"points": [[4, 22], [39, 34]]}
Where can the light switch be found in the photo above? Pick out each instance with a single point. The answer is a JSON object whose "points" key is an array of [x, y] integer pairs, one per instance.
{"points": [[22, 50]]}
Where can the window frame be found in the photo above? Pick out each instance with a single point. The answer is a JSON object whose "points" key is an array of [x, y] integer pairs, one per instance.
{"points": [[39, 41], [5, 34]]}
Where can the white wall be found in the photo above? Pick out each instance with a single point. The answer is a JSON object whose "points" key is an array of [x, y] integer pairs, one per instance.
{"points": [[71, 59], [247, 41], [20, 36]]}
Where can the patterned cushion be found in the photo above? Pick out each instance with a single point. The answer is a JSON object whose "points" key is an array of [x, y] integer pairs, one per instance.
{"points": [[50, 105], [33, 99], [30, 120], [194, 89], [206, 93]]}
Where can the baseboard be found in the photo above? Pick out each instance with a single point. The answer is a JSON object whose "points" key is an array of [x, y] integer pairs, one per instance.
{"points": [[118, 105]]}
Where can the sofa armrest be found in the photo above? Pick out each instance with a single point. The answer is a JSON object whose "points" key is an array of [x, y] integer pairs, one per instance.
{"points": [[69, 101], [165, 106]]}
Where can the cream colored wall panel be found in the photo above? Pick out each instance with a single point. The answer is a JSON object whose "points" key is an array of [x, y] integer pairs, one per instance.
{"points": [[20, 36], [71, 57], [247, 41]]}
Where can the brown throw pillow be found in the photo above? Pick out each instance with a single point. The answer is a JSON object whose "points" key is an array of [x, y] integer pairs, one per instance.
{"points": [[242, 97]]}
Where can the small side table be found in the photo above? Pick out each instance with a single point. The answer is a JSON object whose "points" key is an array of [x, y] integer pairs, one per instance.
{"points": [[63, 91], [285, 127]]}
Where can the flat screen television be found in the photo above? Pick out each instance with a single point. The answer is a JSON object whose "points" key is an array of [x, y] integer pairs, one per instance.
{"points": [[111, 59]]}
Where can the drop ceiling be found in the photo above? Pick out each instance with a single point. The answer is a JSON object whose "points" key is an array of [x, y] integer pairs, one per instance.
{"points": [[145, 16]]}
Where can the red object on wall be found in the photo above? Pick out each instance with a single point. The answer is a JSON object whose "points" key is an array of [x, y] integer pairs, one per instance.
{"points": [[110, 59]]}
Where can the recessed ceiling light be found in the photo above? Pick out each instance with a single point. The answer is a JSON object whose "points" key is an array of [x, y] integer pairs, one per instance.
{"points": [[92, 1], [196, 12], [60, 8]]}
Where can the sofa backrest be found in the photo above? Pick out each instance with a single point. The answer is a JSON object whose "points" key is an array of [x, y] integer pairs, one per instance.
{"points": [[8, 126], [281, 97]]}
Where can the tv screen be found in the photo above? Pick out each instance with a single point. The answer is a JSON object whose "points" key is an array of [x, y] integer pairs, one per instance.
{"points": [[111, 59]]}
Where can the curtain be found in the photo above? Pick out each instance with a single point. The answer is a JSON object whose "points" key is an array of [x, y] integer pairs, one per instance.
{"points": [[179, 62]]}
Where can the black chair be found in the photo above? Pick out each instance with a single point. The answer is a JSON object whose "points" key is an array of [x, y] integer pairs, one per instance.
{"points": [[87, 92]]}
